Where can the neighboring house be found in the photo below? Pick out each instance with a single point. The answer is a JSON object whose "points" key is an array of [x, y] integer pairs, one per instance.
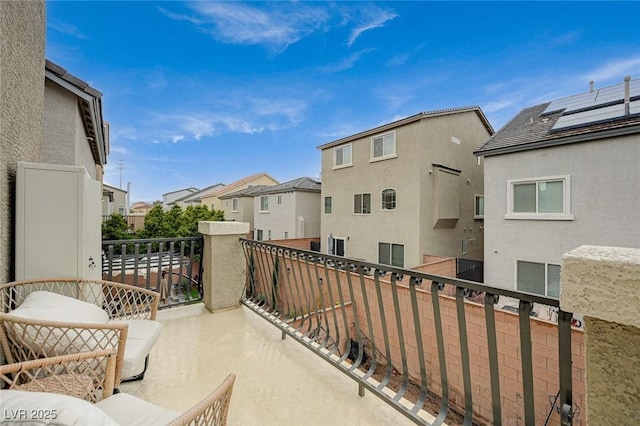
{"points": [[211, 198], [406, 189], [140, 208], [288, 210], [170, 197], [193, 199], [74, 132], [559, 175], [114, 200], [238, 206]]}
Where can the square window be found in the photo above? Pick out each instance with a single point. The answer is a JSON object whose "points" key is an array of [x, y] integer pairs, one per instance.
{"points": [[391, 254], [264, 203], [362, 203], [546, 199], [328, 205], [389, 199], [342, 156], [479, 207], [538, 278], [383, 146]]}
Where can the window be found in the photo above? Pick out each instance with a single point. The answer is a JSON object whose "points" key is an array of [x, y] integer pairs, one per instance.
{"points": [[547, 198], [464, 246], [121, 210], [211, 206], [362, 203], [338, 247], [479, 207], [342, 156], [279, 199], [391, 254], [383, 146], [264, 203], [269, 234], [286, 235], [389, 199], [259, 234], [538, 278], [328, 205], [234, 202]]}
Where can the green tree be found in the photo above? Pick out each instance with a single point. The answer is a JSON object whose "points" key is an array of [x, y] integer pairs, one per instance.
{"points": [[172, 220], [116, 228], [194, 214], [155, 225]]}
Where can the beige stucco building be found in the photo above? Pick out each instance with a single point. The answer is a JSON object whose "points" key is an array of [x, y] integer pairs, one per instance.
{"points": [[238, 206], [212, 200], [114, 200], [22, 64], [289, 210], [560, 175], [406, 189]]}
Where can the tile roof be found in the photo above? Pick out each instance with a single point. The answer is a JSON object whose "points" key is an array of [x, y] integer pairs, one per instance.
{"points": [[533, 128], [411, 119], [245, 192], [300, 184], [195, 196], [234, 185], [191, 189]]}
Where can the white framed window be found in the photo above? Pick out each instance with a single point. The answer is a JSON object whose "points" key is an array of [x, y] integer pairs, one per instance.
{"points": [[362, 203], [383, 146], [465, 245], [234, 203], [547, 198], [264, 203], [259, 234], [286, 235], [478, 211], [538, 278], [389, 199], [121, 210], [391, 254], [211, 206], [342, 156], [279, 199], [328, 205]]}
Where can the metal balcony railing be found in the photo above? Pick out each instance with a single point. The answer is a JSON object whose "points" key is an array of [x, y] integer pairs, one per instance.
{"points": [[170, 266], [435, 358]]}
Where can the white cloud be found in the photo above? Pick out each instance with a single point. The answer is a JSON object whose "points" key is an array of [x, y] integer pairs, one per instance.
{"points": [[119, 150], [177, 138], [372, 19], [275, 27], [614, 70], [117, 133], [67, 29], [155, 80], [346, 63], [398, 60], [180, 17]]}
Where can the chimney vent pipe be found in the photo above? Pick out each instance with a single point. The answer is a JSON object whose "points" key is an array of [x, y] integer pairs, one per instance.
{"points": [[591, 83], [627, 79]]}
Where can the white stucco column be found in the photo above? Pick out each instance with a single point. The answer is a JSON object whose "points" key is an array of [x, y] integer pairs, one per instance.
{"points": [[603, 284], [224, 264]]}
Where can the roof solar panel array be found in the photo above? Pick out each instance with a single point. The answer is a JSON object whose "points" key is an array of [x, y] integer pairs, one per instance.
{"points": [[596, 115], [595, 99]]}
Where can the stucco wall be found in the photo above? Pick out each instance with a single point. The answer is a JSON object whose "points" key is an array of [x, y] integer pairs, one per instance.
{"points": [[418, 145], [604, 177], [22, 40]]}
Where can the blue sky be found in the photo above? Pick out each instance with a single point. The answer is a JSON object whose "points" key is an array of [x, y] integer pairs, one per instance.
{"points": [[198, 93]]}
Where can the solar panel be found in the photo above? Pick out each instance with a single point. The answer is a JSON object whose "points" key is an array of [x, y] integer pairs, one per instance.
{"points": [[589, 117], [604, 96]]}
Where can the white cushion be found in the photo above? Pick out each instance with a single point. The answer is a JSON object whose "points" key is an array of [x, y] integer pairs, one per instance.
{"points": [[44, 305], [141, 336], [47, 306], [129, 410], [39, 408]]}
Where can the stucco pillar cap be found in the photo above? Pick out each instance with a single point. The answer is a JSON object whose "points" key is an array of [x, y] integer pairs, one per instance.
{"points": [[223, 228], [602, 282]]}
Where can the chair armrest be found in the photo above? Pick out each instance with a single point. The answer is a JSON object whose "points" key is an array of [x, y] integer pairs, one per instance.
{"points": [[86, 375], [213, 409]]}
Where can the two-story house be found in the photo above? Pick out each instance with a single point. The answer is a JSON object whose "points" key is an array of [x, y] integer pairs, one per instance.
{"points": [[114, 200], [559, 175], [406, 189], [288, 210], [169, 198], [238, 206], [211, 198], [193, 198]]}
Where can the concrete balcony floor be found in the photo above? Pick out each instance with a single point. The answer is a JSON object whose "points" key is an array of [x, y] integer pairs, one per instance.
{"points": [[278, 382]]}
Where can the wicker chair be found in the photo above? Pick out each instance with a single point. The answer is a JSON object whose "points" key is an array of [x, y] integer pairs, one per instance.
{"points": [[59, 381], [123, 307]]}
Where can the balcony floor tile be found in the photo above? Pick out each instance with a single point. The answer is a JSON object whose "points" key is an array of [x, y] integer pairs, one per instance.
{"points": [[278, 382]]}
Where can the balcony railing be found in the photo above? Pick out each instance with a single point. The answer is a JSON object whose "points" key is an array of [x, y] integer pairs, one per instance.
{"points": [[435, 358], [170, 266]]}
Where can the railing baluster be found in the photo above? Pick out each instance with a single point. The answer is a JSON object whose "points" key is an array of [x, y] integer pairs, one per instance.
{"points": [[159, 275], [327, 283], [136, 255], [464, 356], [489, 301], [371, 337], [527, 362], [564, 360], [403, 351], [356, 321], [413, 283], [436, 287], [385, 331], [123, 264], [110, 258], [347, 329], [148, 283]]}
